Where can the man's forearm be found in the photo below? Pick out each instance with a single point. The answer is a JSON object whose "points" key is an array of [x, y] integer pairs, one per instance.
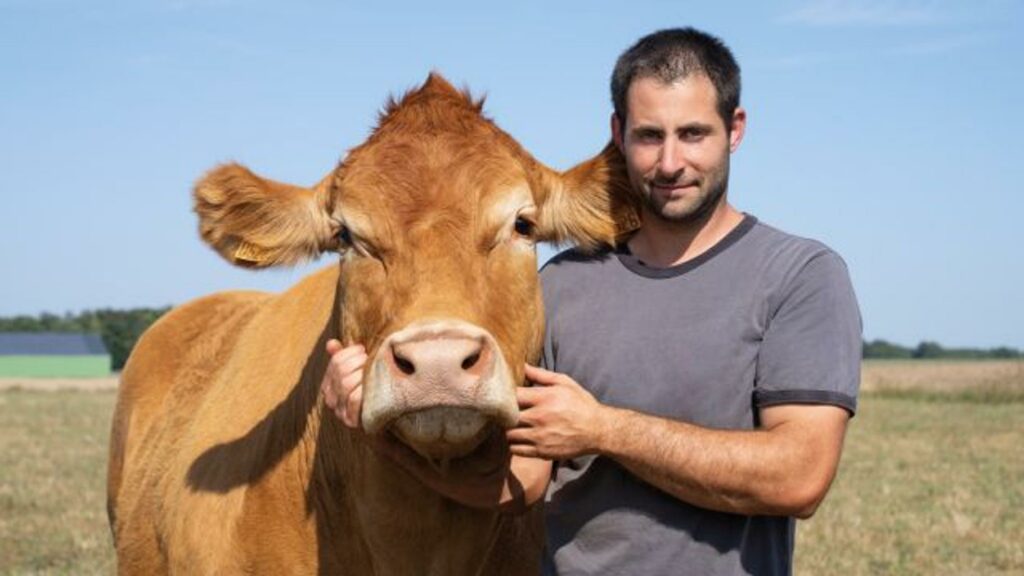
{"points": [[765, 471]]}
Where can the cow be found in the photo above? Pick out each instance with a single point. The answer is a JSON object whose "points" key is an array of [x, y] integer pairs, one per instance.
{"points": [[224, 458]]}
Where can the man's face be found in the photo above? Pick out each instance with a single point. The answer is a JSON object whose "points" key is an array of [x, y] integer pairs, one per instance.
{"points": [[677, 146]]}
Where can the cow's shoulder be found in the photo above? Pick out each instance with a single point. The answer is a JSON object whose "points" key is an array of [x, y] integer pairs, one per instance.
{"points": [[190, 335], [190, 347]]}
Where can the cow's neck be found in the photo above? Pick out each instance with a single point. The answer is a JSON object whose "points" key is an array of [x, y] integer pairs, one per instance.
{"points": [[365, 506]]}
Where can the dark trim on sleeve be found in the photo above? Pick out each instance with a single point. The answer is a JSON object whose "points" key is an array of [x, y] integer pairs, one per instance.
{"points": [[764, 398]]}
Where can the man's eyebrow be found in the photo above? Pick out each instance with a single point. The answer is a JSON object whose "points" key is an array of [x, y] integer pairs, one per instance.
{"points": [[646, 130], [698, 126]]}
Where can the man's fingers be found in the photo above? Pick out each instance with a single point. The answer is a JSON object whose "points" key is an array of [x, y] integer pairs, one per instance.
{"points": [[529, 396], [346, 354], [353, 407], [351, 370], [339, 353], [541, 376], [342, 382], [333, 346], [330, 397], [527, 450], [519, 436]]}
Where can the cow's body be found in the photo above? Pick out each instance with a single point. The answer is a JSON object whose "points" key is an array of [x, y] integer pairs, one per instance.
{"points": [[224, 459], [255, 487]]}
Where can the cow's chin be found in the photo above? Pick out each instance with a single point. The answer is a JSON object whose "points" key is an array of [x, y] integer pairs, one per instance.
{"points": [[453, 442], [443, 432]]}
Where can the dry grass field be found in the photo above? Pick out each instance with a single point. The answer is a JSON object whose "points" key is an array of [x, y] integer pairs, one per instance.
{"points": [[932, 477], [54, 384], [932, 480], [53, 453], [994, 380]]}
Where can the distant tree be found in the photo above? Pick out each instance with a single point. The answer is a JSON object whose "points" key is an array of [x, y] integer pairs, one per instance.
{"points": [[885, 349], [19, 324], [50, 323], [928, 349], [120, 329]]}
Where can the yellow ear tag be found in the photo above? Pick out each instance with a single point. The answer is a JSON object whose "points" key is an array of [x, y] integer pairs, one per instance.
{"points": [[250, 253]]}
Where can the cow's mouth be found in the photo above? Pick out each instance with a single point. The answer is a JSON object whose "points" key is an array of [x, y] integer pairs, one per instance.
{"points": [[443, 432], [453, 440]]}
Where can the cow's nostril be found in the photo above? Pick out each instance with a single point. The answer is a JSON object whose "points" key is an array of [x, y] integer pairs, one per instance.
{"points": [[470, 361], [407, 367]]}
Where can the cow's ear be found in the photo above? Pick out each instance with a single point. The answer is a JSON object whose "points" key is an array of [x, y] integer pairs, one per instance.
{"points": [[256, 223], [591, 205]]}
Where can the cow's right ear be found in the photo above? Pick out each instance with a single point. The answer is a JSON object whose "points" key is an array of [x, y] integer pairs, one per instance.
{"points": [[256, 223]]}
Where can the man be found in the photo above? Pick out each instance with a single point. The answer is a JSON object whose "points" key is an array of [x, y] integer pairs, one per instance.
{"points": [[701, 375]]}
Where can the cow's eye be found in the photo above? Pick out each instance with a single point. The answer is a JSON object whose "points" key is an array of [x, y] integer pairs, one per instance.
{"points": [[344, 236], [524, 226]]}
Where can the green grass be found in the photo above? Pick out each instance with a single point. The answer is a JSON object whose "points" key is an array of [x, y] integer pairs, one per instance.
{"points": [[44, 366], [925, 487]]}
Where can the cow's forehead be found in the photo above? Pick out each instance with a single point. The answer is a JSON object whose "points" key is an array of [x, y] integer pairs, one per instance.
{"points": [[427, 188], [433, 152]]}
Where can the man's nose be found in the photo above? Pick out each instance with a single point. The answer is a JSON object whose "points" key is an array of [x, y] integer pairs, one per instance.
{"points": [[671, 162]]}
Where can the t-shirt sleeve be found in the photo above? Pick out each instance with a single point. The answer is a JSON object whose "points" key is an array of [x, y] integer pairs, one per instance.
{"points": [[811, 348]]}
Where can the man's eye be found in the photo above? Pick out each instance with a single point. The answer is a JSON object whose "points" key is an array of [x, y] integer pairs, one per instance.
{"points": [[524, 227], [693, 134]]}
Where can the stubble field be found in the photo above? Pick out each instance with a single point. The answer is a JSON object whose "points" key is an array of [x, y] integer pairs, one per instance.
{"points": [[932, 479]]}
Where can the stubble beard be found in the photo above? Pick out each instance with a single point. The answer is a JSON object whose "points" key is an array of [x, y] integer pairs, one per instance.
{"points": [[711, 190]]}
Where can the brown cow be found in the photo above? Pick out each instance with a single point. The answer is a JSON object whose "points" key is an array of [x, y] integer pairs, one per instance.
{"points": [[223, 457]]}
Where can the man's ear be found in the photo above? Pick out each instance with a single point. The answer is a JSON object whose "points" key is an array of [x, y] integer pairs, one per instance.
{"points": [[617, 128], [256, 223], [737, 128], [591, 205]]}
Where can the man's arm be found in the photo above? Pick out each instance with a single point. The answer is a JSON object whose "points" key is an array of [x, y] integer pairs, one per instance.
{"points": [[785, 467]]}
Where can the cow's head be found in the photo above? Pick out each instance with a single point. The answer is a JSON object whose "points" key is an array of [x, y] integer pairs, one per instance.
{"points": [[436, 218]]}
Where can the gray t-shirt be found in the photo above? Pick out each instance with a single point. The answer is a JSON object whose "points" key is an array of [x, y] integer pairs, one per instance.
{"points": [[762, 318]]}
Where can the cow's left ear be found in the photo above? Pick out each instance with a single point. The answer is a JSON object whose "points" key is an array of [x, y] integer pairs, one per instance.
{"points": [[591, 205], [256, 223]]}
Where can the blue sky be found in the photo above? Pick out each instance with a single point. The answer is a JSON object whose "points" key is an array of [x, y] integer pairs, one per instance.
{"points": [[888, 129]]}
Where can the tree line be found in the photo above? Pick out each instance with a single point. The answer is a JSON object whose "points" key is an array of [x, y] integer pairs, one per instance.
{"points": [[929, 350], [119, 330]]}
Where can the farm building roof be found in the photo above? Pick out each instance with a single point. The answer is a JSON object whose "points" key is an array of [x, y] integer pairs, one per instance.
{"points": [[50, 344]]}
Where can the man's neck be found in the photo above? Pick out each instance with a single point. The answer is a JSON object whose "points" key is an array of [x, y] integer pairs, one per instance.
{"points": [[660, 243]]}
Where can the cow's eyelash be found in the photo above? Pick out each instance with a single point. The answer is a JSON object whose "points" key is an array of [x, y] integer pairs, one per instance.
{"points": [[347, 241]]}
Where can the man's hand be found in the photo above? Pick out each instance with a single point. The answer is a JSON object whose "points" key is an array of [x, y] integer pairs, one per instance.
{"points": [[559, 418], [343, 382]]}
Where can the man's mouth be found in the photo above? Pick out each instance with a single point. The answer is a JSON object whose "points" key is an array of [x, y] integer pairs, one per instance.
{"points": [[672, 186]]}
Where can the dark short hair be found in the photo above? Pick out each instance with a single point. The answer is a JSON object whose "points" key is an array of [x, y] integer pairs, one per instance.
{"points": [[673, 54]]}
